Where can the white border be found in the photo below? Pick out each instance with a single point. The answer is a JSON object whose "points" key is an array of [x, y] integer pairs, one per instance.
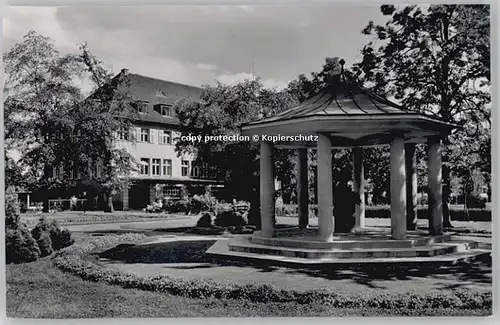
{"points": [[381, 320]]}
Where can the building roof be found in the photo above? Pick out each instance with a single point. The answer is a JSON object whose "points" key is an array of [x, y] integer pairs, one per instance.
{"points": [[344, 99], [157, 91], [352, 115]]}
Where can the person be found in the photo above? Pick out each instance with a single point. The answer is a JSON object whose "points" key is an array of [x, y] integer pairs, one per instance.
{"points": [[72, 202]]}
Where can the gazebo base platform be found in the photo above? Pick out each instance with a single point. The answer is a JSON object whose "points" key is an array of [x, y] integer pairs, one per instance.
{"points": [[368, 247]]}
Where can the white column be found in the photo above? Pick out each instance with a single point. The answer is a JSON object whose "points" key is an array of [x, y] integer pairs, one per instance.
{"points": [[411, 187], [27, 200], [267, 195], [435, 186], [302, 188], [325, 188], [359, 186], [398, 189]]}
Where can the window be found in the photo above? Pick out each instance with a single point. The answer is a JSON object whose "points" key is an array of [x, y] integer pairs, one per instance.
{"points": [[167, 167], [165, 137], [123, 134], [144, 135], [185, 168], [166, 110], [99, 169], [58, 171], [172, 192], [144, 166], [142, 107], [155, 167]]}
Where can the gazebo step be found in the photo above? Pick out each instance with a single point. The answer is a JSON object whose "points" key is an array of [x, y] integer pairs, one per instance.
{"points": [[221, 250], [245, 246], [355, 243]]}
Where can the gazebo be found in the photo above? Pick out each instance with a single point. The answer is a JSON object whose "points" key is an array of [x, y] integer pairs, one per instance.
{"points": [[347, 115]]}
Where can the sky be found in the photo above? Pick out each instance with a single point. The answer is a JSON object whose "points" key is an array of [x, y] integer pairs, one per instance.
{"points": [[197, 45]]}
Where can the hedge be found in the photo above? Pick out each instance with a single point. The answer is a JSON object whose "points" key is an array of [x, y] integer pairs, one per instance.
{"points": [[264, 293], [384, 211]]}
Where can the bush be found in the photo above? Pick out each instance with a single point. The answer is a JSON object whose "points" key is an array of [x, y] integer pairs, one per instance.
{"points": [[202, 203], [254, 216], [45, 244], [20, 246], [475, 201], [58, 238], [229, 218], [178, 206], [384, 211], [264, 293], [205, 221], [12, 211]]}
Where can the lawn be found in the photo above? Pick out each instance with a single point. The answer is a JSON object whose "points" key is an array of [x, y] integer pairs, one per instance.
{"points": [[186, 259], [38, 290]]}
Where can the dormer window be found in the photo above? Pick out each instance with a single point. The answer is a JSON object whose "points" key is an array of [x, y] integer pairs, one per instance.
{"points": [[142, 106], [166, 110]]}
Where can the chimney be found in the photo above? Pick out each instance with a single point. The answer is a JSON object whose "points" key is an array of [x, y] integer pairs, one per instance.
{"points": [[124, 71]]}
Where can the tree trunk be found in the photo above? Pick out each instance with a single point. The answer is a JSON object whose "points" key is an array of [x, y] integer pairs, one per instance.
{"points": [[446, 186]]}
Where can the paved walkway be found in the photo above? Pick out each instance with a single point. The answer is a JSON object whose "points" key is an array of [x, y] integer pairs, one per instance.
{"points": [[190, 221]]}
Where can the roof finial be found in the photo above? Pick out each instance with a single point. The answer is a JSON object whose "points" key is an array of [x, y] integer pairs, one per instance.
{"points": [[342, 62]]}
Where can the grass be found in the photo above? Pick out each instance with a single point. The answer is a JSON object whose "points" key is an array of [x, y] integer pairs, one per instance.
{"points": [[38, 290], [187, 259]]}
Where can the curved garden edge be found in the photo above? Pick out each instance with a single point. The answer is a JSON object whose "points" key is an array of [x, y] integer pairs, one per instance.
{"points": [[70, 260]]}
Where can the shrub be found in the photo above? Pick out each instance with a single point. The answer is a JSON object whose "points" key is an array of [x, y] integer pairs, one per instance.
{"points": [[178, 206], [229, 218], [59, 238], [45, 244], [205, 221], [202, 203], [475, 201], [384, 211], [12, 211], [20, 246], [254, 216]]}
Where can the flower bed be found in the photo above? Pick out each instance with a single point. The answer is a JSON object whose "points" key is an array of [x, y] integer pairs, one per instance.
{"points": [[70, 260]]}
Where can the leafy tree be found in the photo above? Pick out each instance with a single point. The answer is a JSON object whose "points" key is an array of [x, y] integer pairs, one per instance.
{"points": [[53, 128], [435, 61], [38, 90], [97, 122], [222, 110]]}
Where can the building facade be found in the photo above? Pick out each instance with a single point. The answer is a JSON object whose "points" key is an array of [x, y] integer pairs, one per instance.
{"points": [[163, 174]]}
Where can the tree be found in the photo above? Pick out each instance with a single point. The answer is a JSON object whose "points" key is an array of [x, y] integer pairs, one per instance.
{"points": [[97, 122], [49, 123], [38, 90], [222, 110], [435, 61]]}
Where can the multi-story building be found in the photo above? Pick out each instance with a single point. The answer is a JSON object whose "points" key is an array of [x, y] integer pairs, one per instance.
{"points": [[162, 172]]}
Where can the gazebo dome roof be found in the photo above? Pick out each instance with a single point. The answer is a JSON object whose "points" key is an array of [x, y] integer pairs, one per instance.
{"points": [[352, 115]]}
